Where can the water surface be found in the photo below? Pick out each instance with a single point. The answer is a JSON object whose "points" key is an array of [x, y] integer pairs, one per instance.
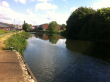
{"points": [[55, 59]]}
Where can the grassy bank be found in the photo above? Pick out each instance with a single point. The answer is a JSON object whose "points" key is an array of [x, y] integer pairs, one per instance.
{"points": [[2, 31], [18, 41]]}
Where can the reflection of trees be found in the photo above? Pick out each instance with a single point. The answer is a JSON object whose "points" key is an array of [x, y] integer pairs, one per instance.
{"points": [[79, 46], [95, 49], [39, 35], [53, 39]]}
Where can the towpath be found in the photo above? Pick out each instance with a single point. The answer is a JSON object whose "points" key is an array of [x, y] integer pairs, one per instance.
{"points": [[13, 67], [6, 34], [10, 69]]}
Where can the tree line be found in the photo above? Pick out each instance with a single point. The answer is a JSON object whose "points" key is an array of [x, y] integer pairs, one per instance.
{"points": [[87, 23], [52, 28]]}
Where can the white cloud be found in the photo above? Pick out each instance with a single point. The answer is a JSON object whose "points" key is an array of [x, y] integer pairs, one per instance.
{"points": [[45, 6], [21, 1], [43, 0], [60, 18], [5, 4], [64, 0], [32, 0], [73, 9], [16, 1], [7, 15], [101, 4], [29, 11]]}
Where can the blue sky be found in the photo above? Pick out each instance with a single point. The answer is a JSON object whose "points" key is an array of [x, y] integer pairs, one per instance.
{"points": [[38, 12]]}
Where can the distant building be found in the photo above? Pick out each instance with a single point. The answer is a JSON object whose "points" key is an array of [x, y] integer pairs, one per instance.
{"points": [[18, 27], [6, 26], [44, 27], [32, 27]]}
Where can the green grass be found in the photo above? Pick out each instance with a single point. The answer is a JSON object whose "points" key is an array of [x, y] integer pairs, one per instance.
{"points": [[18, 41], [2, 31]]}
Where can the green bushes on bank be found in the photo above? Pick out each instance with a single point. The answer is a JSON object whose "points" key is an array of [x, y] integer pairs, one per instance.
{"points": [[87, 23], [18, 41]]}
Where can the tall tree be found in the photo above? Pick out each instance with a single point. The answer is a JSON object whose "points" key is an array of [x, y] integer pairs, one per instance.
{"points": [[24, 21], [26, 26], [53, 27], [77, 23]]}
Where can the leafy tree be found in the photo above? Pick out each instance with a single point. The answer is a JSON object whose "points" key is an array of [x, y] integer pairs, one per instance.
{"points": [[53, 27], [26, 26], [86, 23], [78, 22], [63, 25], [30, 24], [24, 21]]}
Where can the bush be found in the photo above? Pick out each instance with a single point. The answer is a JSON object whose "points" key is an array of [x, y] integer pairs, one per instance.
{"points": [[18, 41]]}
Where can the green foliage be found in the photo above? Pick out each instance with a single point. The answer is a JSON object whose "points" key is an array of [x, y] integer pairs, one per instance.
{"points": [[26, 26], [63, 25], [24, 21], [2, 31], [18, 41], [86, 23], [53, 27]]}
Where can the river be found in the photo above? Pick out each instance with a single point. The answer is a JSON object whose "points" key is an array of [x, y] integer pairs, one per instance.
{"points": [[55, 59]]}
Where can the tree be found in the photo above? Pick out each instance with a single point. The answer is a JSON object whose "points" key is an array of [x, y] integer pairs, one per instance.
{"points": [[77, 23], [24, 21], [53, 27], [87, 23], [26, 26], [63, 25]]}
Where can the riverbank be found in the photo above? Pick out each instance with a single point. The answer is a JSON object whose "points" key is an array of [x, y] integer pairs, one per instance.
{"points": [[17, 41], [3, 38], [13, 66]]}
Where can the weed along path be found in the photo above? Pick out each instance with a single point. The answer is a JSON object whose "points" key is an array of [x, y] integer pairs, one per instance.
{"points": [[3, 38], [13, 67]]}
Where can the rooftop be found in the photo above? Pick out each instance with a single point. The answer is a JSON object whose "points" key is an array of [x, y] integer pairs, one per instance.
{"points": [[5, 25]]}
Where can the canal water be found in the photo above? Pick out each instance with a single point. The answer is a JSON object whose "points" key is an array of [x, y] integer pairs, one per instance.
{"points": [[55, 59]]}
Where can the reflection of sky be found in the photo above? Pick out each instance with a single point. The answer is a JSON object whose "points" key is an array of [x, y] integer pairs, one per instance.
{"points": [[61, 42], [47, 54], [54, 62]]}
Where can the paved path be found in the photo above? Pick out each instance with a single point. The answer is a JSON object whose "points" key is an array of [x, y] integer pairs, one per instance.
{"points": [[5, 34], [10, 69]]}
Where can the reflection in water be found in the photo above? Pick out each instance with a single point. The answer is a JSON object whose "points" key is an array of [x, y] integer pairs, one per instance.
{"points": [[79, 46], [39, 35], [91, 48], [56, 63], [53, 38]]}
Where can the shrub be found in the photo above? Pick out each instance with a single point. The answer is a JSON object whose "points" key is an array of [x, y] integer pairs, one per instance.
{"points": [[18, 41]]}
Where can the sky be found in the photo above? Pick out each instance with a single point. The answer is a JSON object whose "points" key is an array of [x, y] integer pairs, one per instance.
{"points": [[38, 12]]}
